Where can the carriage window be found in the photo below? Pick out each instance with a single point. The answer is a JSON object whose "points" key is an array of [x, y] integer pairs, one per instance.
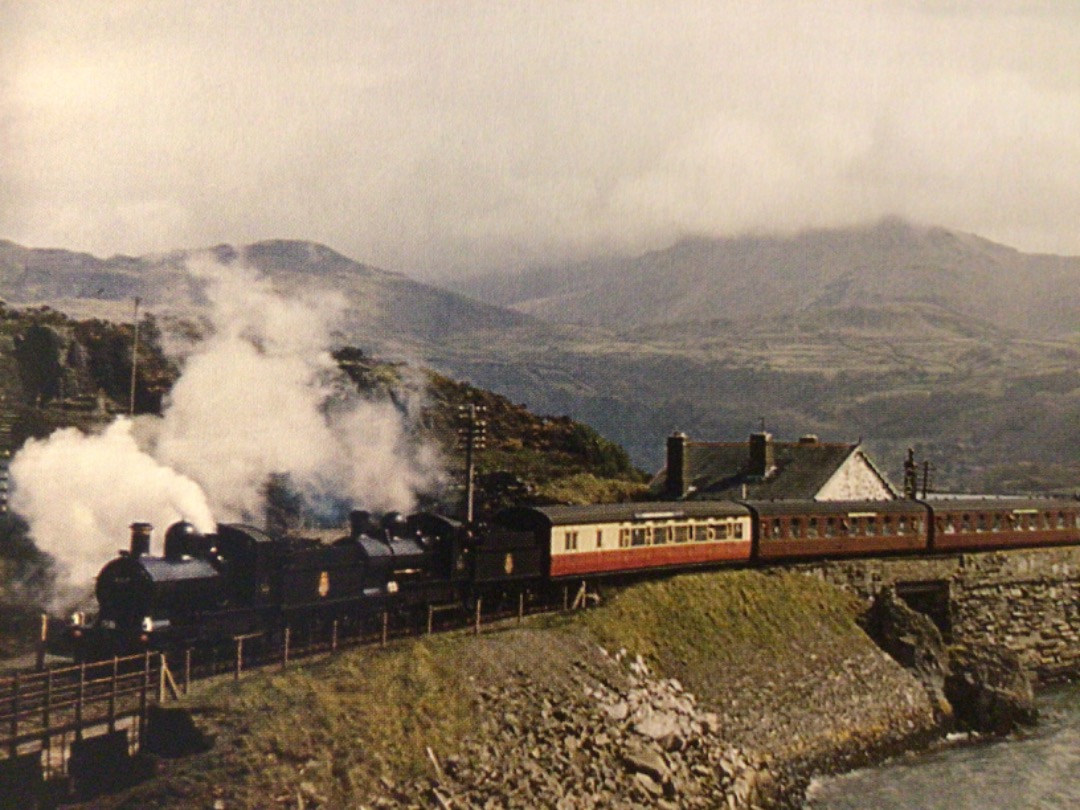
{"points": [[980, 522], [738, 531], [661, 535], [845, 528], [858, 526], [777, 529], [995, 526], [950, 525], [812, 528], [682, 534], [901, 525], [796, 527], [721, 531], [871, 526], [599, 538], [1061, 520], [830, 527], [571, 541], [639, 537], [701, 533], [624, 538], [887, 527], [965, 523]]}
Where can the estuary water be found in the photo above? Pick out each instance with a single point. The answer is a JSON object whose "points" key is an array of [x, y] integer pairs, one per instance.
{"points": [[1039, 770]]}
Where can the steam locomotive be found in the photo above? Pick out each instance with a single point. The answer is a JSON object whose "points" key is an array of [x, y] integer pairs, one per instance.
{"points": [[210, 587]]}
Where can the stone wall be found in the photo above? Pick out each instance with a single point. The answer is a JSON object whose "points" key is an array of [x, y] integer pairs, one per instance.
{"points": [[1025, 601]]}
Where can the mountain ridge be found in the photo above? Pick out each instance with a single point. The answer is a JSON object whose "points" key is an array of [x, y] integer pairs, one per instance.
{"points": [[890, 261]]}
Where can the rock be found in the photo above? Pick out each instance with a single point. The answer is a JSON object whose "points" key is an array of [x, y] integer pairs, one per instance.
{"points": [[648, 761], [915, 643], [660, 726], [990, 691]]}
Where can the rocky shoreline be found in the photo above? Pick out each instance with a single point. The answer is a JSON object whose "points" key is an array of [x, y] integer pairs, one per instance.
{"points": [[589, 729]]}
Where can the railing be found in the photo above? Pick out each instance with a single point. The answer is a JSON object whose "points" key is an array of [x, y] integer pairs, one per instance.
{"points": [[45, 711]]}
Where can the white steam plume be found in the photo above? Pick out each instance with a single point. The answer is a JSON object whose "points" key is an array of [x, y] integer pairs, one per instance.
{"points": [[79, 493], [260, 396]]}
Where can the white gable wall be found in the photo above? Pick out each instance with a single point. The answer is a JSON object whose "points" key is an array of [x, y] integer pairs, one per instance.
{"points": [[856, 480]]}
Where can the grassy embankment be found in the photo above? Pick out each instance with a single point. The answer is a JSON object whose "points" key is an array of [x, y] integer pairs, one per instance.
{"points": [[346, 725]]}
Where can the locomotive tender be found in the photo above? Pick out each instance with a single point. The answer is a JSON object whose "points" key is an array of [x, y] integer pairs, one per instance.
{"points": [[239, 580]]}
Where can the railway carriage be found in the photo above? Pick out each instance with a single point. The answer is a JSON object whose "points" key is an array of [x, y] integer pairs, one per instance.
{"points": [[786, 530], [597, 540], [963, 524]]}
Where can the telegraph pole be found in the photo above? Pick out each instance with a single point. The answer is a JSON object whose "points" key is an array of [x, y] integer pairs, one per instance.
{"points": [[473, 433], [134, 359]]}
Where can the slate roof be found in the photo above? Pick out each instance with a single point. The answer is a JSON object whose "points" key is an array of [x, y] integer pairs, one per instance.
{"points": [[720, 470]]}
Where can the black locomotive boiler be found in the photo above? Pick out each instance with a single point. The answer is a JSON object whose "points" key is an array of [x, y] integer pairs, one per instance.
{"points": [[240, 580]]}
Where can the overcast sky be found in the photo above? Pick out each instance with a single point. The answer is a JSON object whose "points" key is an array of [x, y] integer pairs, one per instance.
{"points": [[438, 137]]}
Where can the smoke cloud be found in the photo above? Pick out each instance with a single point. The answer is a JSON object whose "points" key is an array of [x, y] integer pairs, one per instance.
{"points": [[79, 493], [260, 397]]}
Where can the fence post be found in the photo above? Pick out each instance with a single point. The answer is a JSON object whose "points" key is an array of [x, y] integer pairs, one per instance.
{"points": [[112, 694], [187, 670], [479, 604], [163, 664], [521, 607], [79, 701], [285, 647], [46, 711], [430, 615], [333, 637], [385, 626], [143, 693], [43, 641], [14, 715], [239, 657]]}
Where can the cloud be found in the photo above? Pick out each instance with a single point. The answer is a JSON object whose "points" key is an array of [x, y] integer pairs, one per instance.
{"points": [[446, 137]]}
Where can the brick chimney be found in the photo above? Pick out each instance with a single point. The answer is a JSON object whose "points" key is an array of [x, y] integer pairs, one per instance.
{"points": [[761, 454], [678, 466]]}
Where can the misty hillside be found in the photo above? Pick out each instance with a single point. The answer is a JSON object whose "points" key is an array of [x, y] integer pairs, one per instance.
{"points": [[385, 306], [989, 391], [748, 278]]}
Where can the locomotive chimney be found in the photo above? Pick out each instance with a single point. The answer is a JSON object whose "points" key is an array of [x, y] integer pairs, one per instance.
{"points": [[761, 454], [678, 465], [359, 522], [140, 539]]}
